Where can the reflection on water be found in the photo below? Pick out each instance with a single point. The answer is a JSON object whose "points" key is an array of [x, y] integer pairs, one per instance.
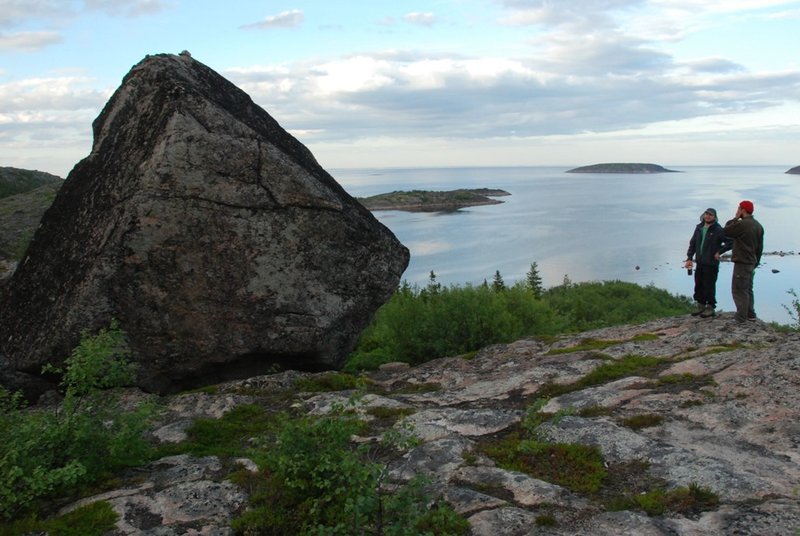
{"points": [[590, 227]]}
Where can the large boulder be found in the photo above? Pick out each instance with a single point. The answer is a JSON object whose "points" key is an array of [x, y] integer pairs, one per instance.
{"points": [[214, 237]]}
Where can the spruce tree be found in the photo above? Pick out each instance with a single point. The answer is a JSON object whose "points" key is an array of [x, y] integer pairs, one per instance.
{"points": [[534, 280], [498, 285]]}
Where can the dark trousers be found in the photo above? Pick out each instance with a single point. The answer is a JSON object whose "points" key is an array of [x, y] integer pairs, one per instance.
{"points": [[742, 290], [705, 284]]}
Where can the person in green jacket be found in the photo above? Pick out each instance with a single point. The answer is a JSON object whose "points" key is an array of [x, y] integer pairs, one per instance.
{"points": [[748, 245], [708, 242]]}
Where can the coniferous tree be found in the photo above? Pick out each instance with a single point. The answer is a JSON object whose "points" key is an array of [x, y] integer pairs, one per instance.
{"points": [[534, 280], [498, 285]]}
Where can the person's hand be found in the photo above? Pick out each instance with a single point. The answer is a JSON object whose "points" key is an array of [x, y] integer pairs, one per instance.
{"points": [[687, 264], [717, 255]]}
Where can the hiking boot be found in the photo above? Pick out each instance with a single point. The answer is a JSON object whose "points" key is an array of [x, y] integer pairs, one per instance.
{"points": [[708, 312], [700, 309]]}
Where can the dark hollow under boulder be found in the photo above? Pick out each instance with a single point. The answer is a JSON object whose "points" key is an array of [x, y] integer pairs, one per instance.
{"points": [[214, 237]]}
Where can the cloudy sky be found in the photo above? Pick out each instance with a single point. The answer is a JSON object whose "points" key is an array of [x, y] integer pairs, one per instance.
{"points": [[370, 83]]}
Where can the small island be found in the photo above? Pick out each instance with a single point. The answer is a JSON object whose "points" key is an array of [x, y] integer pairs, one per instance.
{"points": [[794, 171], [433, 201], [622, 168]]}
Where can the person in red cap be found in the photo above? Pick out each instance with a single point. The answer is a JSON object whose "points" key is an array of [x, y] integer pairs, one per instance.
{"points": [[748, 245]]}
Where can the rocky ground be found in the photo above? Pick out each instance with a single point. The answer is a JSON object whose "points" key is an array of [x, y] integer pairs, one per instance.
{"points": [[723, 405]]}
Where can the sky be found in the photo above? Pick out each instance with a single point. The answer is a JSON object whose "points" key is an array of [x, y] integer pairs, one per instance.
{"points": [[408, 83]]}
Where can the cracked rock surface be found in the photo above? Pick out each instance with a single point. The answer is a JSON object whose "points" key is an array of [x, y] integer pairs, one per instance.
{"points": [[209, 232], [725, 402]]}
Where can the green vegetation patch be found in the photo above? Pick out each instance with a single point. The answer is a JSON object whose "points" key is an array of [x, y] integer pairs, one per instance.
{"points": [[231, 435], [595, 411], [422, 323], [334, 381], [315, 481], [15, 181], [724, 348], [684, 381], [631, 365], [385, 413], [684, 500], [92, 520], [52, 453], [546, 520], [645, 420], [577, 467]]}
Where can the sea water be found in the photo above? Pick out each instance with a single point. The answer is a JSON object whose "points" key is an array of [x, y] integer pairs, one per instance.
{"points": [[590, 227]]}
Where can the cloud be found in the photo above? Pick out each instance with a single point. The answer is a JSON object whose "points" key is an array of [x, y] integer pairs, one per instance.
{"points": [[286, 19], [604, 88], [28, 41], [586, 13], [713, 65], [57, 94], [422, 19], [127, 8], [14, 12]]}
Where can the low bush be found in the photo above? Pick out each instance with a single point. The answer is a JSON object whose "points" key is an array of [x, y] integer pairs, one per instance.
{"points": [[91, 520], [50, 451], [315, 481], [420, 324]]}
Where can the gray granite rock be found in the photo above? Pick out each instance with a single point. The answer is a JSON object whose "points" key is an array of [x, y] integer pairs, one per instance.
{"points": [[214, 236], [727, 420]]}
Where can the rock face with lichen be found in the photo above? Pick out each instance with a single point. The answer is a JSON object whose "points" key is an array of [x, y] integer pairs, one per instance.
{"points": [[214, 237], [717, 409]]}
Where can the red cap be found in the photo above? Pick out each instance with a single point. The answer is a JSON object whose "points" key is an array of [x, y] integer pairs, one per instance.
{"points": [[747, 205]]}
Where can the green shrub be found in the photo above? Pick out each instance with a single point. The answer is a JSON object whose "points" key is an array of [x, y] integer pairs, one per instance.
{"points": [[91, 520], [49, 452], [583, 306], [794, 309], [316, 482], [420, 324]]}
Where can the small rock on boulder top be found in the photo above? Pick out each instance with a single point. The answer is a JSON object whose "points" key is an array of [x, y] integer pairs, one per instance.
{"points": [[213, 236]]}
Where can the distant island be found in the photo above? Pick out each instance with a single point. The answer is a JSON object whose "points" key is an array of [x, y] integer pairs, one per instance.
{"points": [[433, 201], [794, 171], [622, 168]]}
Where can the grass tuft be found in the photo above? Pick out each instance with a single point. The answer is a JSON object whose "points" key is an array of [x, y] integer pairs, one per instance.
{"points": [[645, 420], [684, 500]]}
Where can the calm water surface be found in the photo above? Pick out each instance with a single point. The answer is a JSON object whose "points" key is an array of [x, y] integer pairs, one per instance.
{"points": [[591, 226]]}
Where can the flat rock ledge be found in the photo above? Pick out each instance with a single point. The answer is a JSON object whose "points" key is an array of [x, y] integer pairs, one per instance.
{"points": [[726, 398]]}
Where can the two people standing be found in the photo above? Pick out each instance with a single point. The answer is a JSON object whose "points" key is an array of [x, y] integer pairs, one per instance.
{"points": [[745, 236]]}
